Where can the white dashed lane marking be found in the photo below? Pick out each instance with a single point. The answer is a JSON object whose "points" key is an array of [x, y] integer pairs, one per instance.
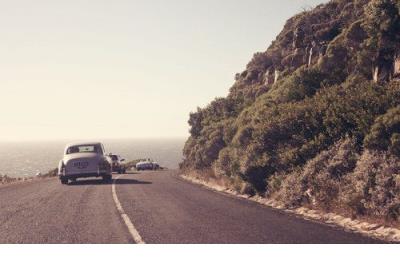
{"points": [[131, 228]]}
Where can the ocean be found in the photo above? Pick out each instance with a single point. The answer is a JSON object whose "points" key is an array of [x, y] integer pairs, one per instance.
{"points": [[25, 159]]}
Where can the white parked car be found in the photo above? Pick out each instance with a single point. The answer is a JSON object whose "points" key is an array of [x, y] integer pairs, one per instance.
{"points": [[84, 160], [147, 165]]}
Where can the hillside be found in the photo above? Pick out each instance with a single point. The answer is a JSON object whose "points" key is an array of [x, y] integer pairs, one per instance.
{"points": [[315, 119]]}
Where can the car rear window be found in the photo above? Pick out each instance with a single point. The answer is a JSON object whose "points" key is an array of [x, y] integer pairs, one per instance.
{"points": [[83, 148], [114, 157]]}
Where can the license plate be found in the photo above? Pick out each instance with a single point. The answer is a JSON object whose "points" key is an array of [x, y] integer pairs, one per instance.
{"points": [[81, 165]]}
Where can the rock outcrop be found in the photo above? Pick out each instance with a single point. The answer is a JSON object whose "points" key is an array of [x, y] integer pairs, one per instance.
{"points": [[396, 70]]}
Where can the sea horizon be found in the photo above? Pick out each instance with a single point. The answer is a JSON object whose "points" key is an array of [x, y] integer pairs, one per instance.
{"points": [[27, 158]]}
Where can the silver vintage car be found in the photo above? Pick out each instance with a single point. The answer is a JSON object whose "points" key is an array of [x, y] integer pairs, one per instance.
{"points": [[84, 160]]}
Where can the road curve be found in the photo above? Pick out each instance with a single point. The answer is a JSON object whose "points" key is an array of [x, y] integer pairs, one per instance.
{"points": [[162, 207]]}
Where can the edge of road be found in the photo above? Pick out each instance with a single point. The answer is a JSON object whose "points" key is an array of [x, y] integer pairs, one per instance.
{"points": [[376, 231], [23, 181]]}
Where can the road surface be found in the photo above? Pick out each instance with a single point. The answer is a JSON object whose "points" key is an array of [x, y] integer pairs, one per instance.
{"points": [[160, 207]]}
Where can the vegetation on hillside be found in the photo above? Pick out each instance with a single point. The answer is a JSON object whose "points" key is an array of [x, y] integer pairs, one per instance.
{"points": [[5, 179], [315, 119]]}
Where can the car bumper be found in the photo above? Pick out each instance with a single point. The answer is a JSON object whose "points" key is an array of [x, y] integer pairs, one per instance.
{"points": [[85, 175]]}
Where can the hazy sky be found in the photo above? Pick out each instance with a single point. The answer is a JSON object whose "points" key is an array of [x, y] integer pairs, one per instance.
{"points": [[108, 69]]}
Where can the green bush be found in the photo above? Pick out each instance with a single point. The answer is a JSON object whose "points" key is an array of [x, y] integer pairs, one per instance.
{"points": [[385, 132], [301, 84], [319, 181], [279, 137], [373, 188]]}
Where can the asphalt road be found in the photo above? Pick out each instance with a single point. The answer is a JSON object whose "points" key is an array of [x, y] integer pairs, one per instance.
{"points": [[162, 208]]}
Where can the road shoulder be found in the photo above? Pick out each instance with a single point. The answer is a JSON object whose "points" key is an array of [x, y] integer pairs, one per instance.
{"points": [[387, 234]]}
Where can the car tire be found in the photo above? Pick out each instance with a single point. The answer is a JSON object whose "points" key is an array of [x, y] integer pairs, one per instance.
{"points": [[64, 181]]}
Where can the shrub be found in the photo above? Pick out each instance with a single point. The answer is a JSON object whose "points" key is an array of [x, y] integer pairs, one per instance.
{"points": [[374, 187], [6, 179], [341, 179], [318, 182], [292, 192], [385, 132], [301, 84], [279, 137]]}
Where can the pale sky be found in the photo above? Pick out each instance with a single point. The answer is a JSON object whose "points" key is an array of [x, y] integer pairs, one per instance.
{"points": [[78, 69]]}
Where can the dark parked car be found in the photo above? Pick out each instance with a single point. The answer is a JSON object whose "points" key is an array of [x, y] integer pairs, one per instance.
{"points": [[117, 164]]}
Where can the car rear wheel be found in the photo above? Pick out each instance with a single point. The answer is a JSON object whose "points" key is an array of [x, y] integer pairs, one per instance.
{"points": [[64, 181]]}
